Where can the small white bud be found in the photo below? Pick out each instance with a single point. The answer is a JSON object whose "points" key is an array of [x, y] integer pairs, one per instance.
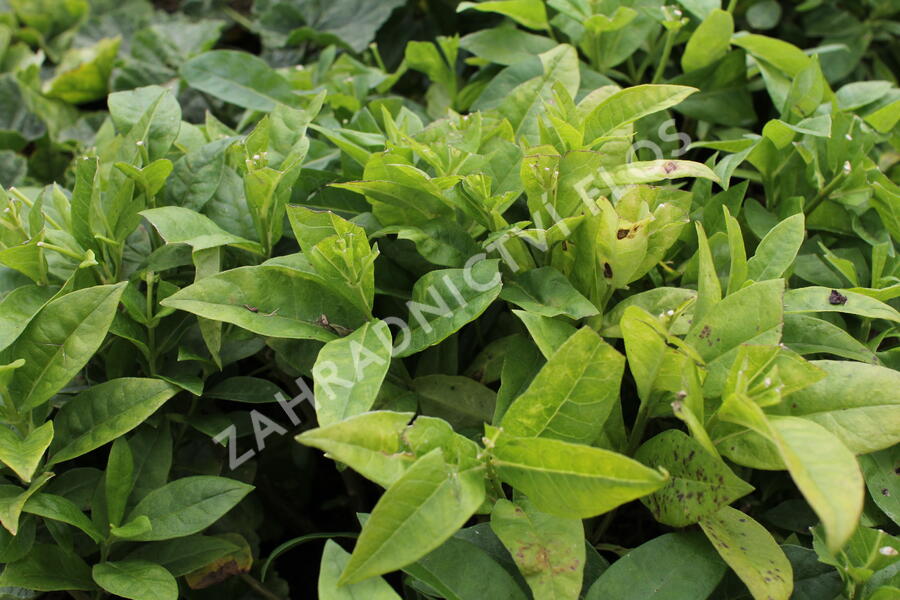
{"points": [[767, 381], [139, 143], [670, 312], [887, 551], [849, 137], [847, 166], [298, 68], [256, 157], [677, 12], [40, 244]]}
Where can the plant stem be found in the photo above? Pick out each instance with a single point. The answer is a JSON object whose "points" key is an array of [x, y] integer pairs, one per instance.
{"points": [[259, 588], [61, 250], [732, 5], [151, 327], [825, 192], [667, 50]]}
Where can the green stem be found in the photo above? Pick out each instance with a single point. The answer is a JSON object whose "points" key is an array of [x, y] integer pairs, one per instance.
{"points": [[732, 5], [27, 202], [151, 326], [825, 192], [664, 59], [61, 250], [259, 588], [637, 431]]}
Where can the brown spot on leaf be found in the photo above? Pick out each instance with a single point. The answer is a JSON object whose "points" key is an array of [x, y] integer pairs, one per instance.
{"points": [[607, 271], [669, 167], [836, 298]]}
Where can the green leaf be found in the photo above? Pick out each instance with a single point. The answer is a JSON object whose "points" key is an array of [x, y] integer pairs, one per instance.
{"points": [[572, 480], [178, 225], [656, 301], [549, 550], [119, 479], [150, 115], [355, 22], [24, 455], [572, 395], [817, 461], [414, 516], [822, 299], [856, 402], [812, 579], [777, 251], [709, 42], [369, 443], [462, 569], [530, 13], [781, 54], [59, 508], [655, 170], [13, 499], [187, 505], [752, 552], [505, 45], [48, 568], [805, 334], [349, 371], [132, 529], [136, 579], [547, 292], [461, 401], [239, 78], [630, 104], [251, 390], [525, 102], [83, 74], [880, 473], [752, 314], [183, 555], [444, 300], [334, 561], [60, 340], [548, 334], [339, 252], [269, 300], [674, 566], [104, 412], [18, 308], [699, 484], [709, 290]]}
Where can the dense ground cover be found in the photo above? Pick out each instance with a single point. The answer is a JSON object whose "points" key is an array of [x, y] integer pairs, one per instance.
{"points": [[509, 299]]}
